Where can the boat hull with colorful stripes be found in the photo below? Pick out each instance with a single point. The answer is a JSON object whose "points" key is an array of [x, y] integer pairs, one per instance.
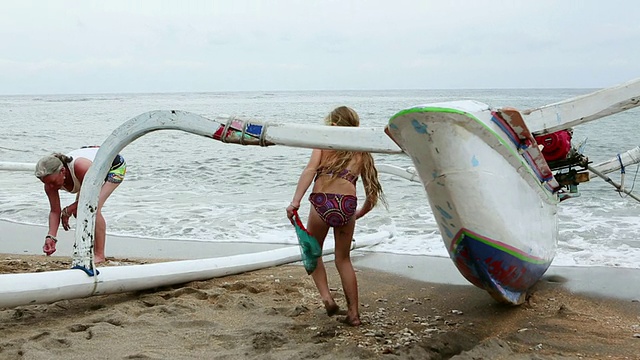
{"points": [[491, 192]]}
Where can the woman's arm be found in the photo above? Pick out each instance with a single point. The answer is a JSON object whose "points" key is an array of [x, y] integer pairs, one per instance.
{"points": [[80, 168], [54, 220], [54, 210], [68, 212]]}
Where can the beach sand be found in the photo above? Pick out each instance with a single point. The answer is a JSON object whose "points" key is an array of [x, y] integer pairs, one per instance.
{"points": [[275, 313]]}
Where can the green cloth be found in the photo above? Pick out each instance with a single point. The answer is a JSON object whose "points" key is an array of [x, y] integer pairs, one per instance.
{"points": [[310, 250]]}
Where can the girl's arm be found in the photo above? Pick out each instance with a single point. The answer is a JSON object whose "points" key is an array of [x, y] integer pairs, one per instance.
{"points": [[304, 182], [369, 203], [366, 207], [306, 177]]}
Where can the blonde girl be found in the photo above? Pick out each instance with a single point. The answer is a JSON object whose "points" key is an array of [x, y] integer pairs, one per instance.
{"points": [[334, 205]]}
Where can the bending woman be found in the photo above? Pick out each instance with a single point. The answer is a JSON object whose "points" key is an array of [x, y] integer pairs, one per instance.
{"points": [[66, 172], [334, 203]]}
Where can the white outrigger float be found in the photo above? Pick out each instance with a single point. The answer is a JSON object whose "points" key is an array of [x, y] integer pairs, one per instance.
{"points": [[491, 190]]}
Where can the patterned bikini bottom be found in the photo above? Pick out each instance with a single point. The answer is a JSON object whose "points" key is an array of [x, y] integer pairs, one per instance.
{"points": [[335, 209], [117, 171]]}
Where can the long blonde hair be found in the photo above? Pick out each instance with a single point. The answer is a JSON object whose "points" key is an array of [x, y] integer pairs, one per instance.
{"points": [[338, 160]]}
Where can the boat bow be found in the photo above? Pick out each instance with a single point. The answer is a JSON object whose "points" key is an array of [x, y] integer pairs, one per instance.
{"points": [[478, 166]]}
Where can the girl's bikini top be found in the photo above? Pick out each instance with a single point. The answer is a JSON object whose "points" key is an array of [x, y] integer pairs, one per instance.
{"points": [[344, 174]]}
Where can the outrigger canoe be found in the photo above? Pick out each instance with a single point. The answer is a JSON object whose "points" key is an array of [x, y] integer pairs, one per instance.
{"points": [[492, 190]]}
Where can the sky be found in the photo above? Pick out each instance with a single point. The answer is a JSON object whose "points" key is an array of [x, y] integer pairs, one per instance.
{"points": [[129, 46]]}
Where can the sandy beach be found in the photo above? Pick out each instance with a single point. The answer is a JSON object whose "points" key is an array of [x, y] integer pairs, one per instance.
{"points": [[275, 313]]}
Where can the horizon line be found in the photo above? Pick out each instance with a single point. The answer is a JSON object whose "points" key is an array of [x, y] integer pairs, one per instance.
{"points": [[290, 91]]}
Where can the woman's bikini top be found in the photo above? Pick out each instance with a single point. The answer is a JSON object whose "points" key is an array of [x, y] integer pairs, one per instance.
{"points": [[344, 174]]}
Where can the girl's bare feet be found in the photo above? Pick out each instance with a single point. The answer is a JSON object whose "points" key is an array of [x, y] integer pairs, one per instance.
{"points": [[333, 309], [351, 321]]}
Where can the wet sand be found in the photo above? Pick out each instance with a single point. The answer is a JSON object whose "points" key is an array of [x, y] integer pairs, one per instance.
{"points": [[411, 307]]}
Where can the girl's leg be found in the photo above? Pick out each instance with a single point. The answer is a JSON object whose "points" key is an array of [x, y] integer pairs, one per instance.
{"points": [[344, 237], [101, 224], [319, 229]]}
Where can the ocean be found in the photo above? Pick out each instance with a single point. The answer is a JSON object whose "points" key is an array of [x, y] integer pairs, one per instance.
{"points": [[180, 186]]}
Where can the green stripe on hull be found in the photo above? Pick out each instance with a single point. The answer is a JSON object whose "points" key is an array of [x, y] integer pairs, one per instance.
{"points": [[502, 141]]}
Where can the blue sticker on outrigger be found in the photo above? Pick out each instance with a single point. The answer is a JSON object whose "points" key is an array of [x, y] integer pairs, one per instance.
{"points": [[254, 129]]}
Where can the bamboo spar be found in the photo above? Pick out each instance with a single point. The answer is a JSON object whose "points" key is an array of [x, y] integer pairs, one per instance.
{"points": [[613, 183]]}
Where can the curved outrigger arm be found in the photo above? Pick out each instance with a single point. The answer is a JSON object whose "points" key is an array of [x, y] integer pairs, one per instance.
{"points": [[229, 130]]}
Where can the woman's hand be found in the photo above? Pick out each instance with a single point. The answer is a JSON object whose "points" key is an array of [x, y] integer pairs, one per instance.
{"points": [[291, 209], [64, 216], [67, 213], [49, 245]]}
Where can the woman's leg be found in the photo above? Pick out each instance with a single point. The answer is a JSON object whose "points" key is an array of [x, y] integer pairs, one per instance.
{"points": [[344, 237], [319, 229], [101, 224]]}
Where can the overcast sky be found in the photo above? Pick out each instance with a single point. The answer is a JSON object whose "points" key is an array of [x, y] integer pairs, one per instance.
{"points": [[55, 46]]}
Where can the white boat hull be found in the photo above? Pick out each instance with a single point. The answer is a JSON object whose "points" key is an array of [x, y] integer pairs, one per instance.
{"points": [[496, 215]]}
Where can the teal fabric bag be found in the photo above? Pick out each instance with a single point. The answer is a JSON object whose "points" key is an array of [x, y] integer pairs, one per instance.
{"points": [[309, 248]]}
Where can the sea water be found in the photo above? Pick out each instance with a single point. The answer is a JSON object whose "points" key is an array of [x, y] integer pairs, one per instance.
{"points": [[185, 187]]}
